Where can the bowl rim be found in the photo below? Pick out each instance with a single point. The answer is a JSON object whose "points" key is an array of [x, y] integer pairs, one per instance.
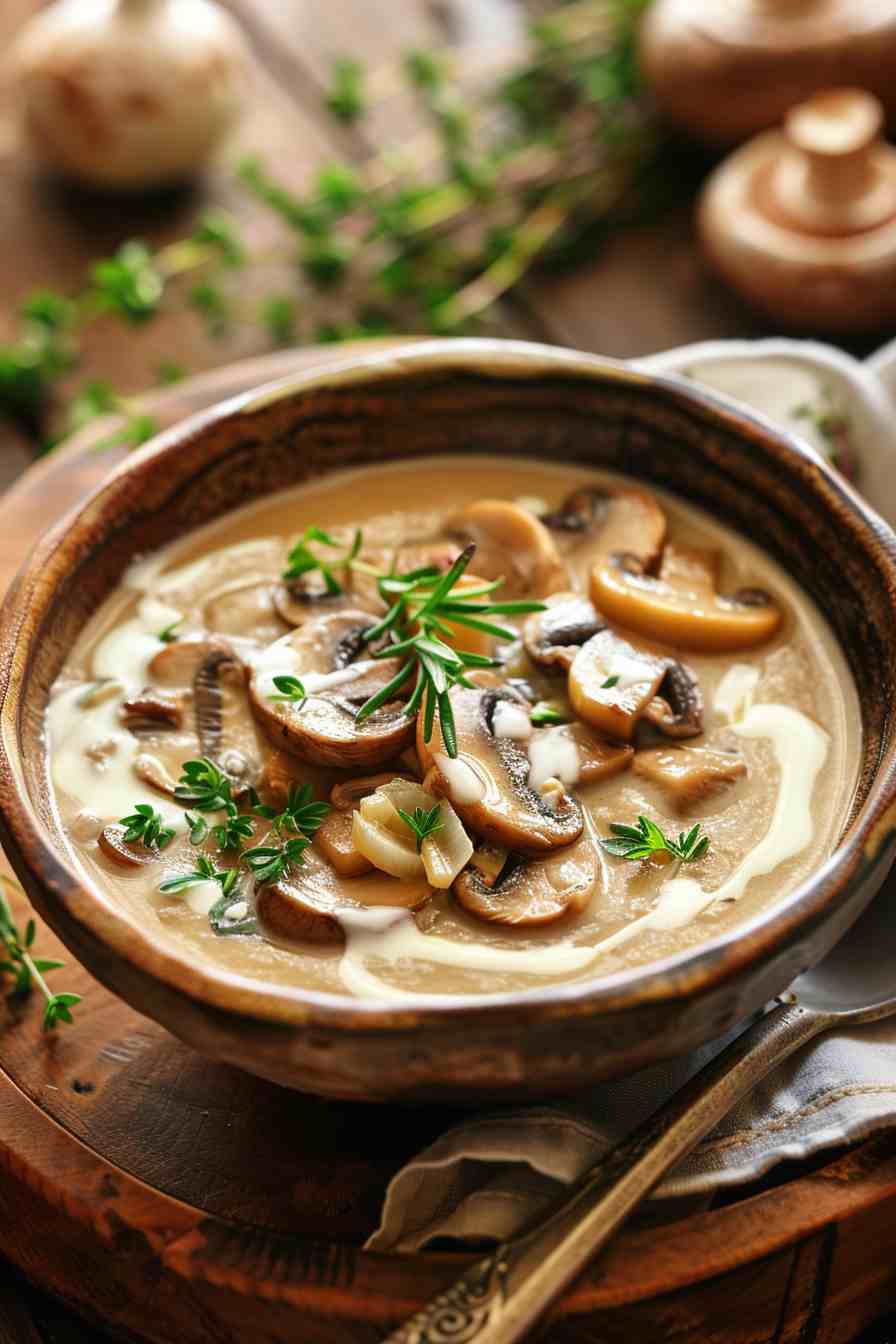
{"points": [[681, 976]]}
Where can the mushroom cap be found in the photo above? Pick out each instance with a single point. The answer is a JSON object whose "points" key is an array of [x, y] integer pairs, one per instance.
{"points": [[323, 654], [511, 544], [681, 606], [488, 783], [677, 708], [535, 891], [688, 775], [600, 522], [113, 844], [553, 637]]}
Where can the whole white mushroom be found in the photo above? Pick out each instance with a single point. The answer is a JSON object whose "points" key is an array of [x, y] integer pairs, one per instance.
{"points": [[129, 93]]}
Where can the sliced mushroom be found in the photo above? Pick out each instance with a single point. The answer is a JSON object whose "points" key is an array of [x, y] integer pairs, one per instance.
{"points": [[329, 657], [677, 708], [153, 709], [306, 908], [511, 544], [113, 844], [488, 782], [245, 608], [489, 861], [682, 606], [612, 683], [688, 775], [335, 840], [215, 675], [602, 523], [348, 795], [299, 600], [553, 637], [531, 892], [595, 758]]}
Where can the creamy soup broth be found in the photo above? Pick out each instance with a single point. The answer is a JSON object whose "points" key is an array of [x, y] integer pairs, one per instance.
{"points": [[774, 754]]}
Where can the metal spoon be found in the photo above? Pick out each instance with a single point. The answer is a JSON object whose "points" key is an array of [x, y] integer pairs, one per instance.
{"points": [[502, 1296]]}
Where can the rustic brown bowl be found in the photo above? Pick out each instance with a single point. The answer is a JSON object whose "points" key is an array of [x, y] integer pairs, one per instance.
{"points": [[457, 397]]}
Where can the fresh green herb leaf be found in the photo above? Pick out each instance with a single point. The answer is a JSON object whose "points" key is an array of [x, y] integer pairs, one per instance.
{"points": [[423, 823], [198, 828], [231, 833], [167, 636], [26, 970], [610, 681], [231, 915], [130, 283], [205, 871], [646, 839], [302, 560], [148, 826], [544, 713], [291, 690], [345, 97], [268, 863], [203, 786]]}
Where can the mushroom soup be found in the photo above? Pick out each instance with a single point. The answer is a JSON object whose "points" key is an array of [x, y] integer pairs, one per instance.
{"points": [[543, 724]]}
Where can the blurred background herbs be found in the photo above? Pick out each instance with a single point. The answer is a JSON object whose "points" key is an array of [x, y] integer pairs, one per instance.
{"points": [[522, 166]]}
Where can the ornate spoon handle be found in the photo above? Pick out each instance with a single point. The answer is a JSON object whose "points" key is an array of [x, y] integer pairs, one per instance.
{"points": [[501, 1296]]}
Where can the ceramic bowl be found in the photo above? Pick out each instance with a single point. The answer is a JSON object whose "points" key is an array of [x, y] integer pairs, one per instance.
{"points": [[458, 397]]}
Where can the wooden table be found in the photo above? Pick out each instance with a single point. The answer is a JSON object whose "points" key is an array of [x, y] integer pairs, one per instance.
{"points": [[644, 290]]}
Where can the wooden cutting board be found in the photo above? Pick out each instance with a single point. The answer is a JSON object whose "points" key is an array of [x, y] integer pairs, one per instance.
{"points": [[174, 1199]]}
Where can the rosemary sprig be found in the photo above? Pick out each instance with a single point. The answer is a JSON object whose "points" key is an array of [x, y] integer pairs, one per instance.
{"points": [[27, 969], [646, 839], [423, 823], [302, 560], [416, 625], [148, 826]]}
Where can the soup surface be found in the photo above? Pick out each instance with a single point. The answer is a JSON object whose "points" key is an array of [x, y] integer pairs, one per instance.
{"points": [[315, 744]]}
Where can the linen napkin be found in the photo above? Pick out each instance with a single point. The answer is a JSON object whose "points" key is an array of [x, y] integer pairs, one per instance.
{"points": [[487, 1177]]}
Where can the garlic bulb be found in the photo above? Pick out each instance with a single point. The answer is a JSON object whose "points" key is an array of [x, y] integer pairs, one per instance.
{"points": [[129, 93]]}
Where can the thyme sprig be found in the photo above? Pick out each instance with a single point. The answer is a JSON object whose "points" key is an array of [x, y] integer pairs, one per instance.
{"points": [[646, 839], [27, 969], [512, 166], [148, 826], [423, 823], [423, 606], [302, 560], [205, 871]]}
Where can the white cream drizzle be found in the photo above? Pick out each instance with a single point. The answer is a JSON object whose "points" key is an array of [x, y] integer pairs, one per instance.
{"points": [[734, 693], [392, 936], [279, 660], [553, 754], [800, 748], [92, 756]]}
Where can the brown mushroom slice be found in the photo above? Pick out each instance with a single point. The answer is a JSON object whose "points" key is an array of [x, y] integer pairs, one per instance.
{"points": [[244, 609], [688, 775], [677, 708], [681, 606], [553, 637], [113, 844], [532, 892], [160, 759], [612, 683], [153, 709], [335, 841], [597, 758], [489, 861], [306, 906], [511, 544], [329, 657], [487, 783], [604, 522], [299, 600]]}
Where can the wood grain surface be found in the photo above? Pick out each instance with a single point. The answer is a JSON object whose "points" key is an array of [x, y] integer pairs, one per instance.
{"points": [[177, 1200], [171, 1198]]}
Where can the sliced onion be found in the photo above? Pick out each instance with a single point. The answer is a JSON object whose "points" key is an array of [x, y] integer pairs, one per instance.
{"points": [[448, 850], [385, 849]]}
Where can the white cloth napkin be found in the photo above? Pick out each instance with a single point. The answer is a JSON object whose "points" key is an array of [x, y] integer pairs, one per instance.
{"points": [[487, 1177]]}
